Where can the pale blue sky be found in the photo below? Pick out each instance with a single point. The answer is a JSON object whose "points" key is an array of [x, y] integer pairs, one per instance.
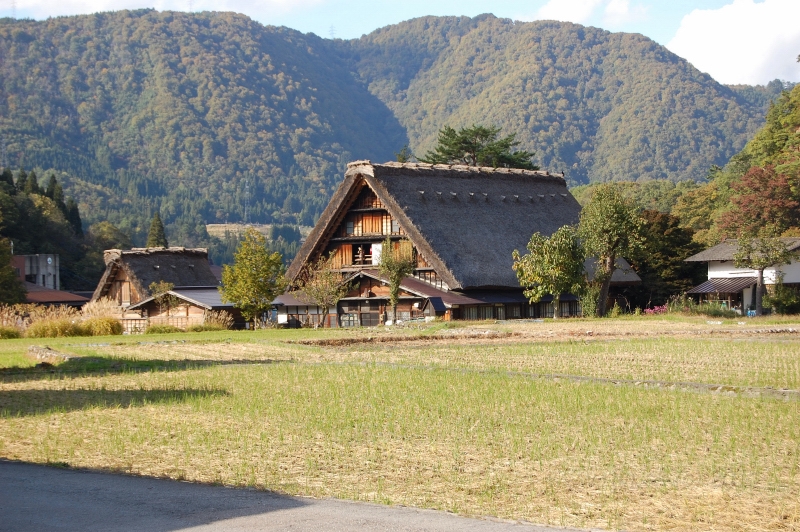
{"points": [[736, 41]]}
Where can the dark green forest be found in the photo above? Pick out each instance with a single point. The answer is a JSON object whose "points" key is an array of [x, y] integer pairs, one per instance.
{"points": [[205, 117]]}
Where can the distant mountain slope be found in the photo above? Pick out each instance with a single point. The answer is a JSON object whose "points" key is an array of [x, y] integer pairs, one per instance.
{"points": [[191, 113], [178, 111], [598, 105]]}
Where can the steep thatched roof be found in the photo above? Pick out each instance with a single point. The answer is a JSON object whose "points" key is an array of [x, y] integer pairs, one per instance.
{"points": [[182, 267], [726, 250], [466, 221]]}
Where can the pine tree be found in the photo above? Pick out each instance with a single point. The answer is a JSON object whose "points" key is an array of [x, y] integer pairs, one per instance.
{"points": [[51, 186], [156, 237], [478, 146], [22, 180], [73, 216], [32, 184], [11, 290]]}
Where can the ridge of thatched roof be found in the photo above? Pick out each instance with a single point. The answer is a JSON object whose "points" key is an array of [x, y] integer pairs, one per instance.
{"points": [[727, 249], [466, 221], [177, 265]]}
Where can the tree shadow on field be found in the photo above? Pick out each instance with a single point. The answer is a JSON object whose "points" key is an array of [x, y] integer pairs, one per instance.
{"points": [[98, 366], [20, 403]]}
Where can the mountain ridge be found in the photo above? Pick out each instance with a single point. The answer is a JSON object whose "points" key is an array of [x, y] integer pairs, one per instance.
{"points": [[212, 117]]}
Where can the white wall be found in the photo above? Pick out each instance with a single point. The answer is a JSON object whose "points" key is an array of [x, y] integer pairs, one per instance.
{"points": [[726, 270]]}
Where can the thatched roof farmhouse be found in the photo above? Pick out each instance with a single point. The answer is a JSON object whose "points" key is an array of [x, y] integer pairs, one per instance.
{"points": [[463, 223], [129, 273]]}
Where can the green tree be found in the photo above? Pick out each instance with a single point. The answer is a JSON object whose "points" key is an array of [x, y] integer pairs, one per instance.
{"points": [[160, 292], [660, 263], [404, 155], [11, 289], [396, 263], [322, 285], [478, 146], [73, 216], [156, 237], [610, 227], [760, 253], [553, 265], [255, 279], [32, 184]]}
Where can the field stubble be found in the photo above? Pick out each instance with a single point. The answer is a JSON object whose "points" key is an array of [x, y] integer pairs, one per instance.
{"points": [[416, 424]]}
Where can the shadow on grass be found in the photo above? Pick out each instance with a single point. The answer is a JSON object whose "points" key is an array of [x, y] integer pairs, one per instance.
{"points": [[93, 365], [20, 403]]}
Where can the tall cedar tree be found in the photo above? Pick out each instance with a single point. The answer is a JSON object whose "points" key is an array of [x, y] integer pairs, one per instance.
{"points": [[760, 253], [610, 227], [74, 217], [255, 279], [322, 285], [552, 266], [156, 237], [396, 263], [11, 289], [478, 146]]}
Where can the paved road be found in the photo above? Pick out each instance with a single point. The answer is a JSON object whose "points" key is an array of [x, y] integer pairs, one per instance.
{"points": [[37, 498]]}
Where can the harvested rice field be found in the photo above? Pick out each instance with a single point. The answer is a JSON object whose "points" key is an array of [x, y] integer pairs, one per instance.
{"points": [[636, 424]]}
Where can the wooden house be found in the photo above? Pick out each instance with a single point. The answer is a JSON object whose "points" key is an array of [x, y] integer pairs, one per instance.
{"points": [[735, 288], [188, 306], [129, 273], [463, 223]]}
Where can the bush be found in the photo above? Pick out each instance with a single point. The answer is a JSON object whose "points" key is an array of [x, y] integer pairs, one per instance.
{"points": [[783, 299], [103, 326], [162, 329], [685, 305], [55, 328], [7, 333], [200, 327]]}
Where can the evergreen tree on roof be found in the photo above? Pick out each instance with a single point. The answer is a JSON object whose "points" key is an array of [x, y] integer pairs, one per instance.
{"points": [[156, 237]]}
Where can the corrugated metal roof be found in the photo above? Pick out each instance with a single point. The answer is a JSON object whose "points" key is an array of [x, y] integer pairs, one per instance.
{"points": [[723, 286], [205, 297]]}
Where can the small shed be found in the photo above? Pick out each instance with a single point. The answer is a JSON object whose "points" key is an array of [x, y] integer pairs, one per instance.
{"points": [[190, 307]]}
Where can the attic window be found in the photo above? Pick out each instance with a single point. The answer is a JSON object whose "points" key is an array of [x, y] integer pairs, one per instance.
{"points": [[454, 194], [516, 197], [485, 196], [541, 196], [563, 195], [155, 266], [502, 198]]}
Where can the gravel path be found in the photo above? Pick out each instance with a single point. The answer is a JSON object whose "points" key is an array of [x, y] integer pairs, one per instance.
{"points": [[35, 498]]}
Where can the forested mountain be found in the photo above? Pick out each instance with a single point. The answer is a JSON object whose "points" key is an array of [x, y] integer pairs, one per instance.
{"points": [[601, 106], [176, 112], [199, 115]]}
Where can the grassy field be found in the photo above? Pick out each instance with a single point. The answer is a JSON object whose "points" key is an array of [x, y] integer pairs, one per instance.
{"points": [[439, 417]]}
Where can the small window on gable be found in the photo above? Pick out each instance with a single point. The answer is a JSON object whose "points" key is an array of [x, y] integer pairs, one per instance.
{"points": [[395, 227], [349, 228]]}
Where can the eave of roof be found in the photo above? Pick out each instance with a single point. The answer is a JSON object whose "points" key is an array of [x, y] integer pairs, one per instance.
{"points": [[726, 250]]}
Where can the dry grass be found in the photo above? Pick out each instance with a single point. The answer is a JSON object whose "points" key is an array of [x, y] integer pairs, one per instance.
{"points": [[453, 424]]}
